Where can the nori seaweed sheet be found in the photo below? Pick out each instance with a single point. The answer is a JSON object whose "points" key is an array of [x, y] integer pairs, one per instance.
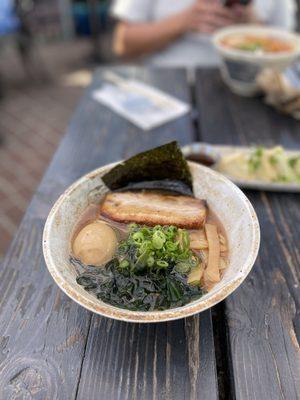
{"points": [[161, 163]]}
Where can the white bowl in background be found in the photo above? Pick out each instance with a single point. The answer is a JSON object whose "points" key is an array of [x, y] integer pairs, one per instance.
{"points": [[240, 68], [224, 198]]}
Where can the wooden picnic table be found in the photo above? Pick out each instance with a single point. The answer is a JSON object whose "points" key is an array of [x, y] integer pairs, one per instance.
{"points": [[245, 348]]}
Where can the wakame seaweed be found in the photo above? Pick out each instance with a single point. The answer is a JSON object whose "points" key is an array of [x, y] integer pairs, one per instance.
{"points": [[164, 163], [149, 271], [158, 290]]}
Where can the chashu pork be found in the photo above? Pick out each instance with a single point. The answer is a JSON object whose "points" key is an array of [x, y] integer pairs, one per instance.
{"points": [[152, 208]]}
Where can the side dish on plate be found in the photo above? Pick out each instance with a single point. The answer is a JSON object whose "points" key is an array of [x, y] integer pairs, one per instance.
{"points": [[149, 244], [255, 167], [262, 164]]}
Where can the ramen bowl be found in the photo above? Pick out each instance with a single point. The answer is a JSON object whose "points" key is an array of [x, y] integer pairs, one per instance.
{"points": [[230, 204], [240, 67]]}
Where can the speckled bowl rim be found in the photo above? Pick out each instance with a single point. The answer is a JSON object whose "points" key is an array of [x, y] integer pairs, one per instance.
{"points": [[149, 316]]}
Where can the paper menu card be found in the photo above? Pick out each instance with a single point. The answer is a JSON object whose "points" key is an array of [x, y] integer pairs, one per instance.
{"points": [[143, 105]]}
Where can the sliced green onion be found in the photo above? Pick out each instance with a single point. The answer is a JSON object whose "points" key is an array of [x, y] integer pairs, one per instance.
{"points": [[138, 237], [156, 248], [172, 246], [162, 264], [146, 245], [158, 239]]}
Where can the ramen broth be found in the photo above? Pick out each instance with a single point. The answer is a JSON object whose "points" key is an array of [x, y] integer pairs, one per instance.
{"points": [[257, 43], [92, 214]]}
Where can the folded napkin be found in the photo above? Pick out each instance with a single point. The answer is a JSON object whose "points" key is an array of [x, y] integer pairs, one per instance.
{"points": [[282, 90], [141, 104]]}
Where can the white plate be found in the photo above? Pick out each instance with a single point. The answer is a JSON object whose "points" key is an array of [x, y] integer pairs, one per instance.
{"points": [[216, 151]]}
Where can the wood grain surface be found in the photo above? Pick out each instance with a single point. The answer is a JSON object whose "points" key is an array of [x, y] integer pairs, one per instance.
{"points": [[161, 361], [263, 314], [51, 348]]}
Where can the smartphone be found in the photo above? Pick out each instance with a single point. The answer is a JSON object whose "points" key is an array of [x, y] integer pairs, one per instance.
{"points": [[230, 3]]}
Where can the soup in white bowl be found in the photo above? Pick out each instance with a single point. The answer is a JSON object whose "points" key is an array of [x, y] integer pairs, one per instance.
{"points": [[228, 231], [246, 49]]}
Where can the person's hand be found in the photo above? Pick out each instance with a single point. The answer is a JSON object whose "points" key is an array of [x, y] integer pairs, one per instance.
{"points": [[207, 16], [245, 14]]}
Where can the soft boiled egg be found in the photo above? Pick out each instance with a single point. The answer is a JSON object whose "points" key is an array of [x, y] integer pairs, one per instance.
{"points": [[95, 244]]}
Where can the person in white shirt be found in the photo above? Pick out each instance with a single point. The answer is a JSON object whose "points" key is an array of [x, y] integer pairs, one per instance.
{"points": [[178, 32]]}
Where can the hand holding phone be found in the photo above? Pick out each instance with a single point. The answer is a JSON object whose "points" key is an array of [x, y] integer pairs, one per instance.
{"points": [[230, 3]]}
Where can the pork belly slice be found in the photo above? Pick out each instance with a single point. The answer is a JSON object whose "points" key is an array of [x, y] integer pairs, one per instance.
{"points": [[154, 209]]}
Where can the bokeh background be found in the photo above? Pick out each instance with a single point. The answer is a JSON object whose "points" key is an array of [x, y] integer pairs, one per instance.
{"points": [[48, 50]]}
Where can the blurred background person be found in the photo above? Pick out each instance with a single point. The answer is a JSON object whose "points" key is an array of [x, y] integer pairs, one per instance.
{"points": [[178, 32]]}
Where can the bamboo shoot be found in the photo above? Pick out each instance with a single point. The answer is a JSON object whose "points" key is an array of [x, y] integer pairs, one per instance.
{"points": [[212, 272]]}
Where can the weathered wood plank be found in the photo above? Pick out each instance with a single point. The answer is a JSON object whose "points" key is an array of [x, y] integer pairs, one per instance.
{"points": [[159, 361], [263, 314], [43, 332], [153, 361], [47, 341]]}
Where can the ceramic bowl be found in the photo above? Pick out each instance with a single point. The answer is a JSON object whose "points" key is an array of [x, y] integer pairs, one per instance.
{"points": [[224, 198], [240, 68]]}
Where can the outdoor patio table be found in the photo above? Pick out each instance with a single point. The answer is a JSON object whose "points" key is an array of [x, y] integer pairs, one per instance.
{"points": [[245, 348]]}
